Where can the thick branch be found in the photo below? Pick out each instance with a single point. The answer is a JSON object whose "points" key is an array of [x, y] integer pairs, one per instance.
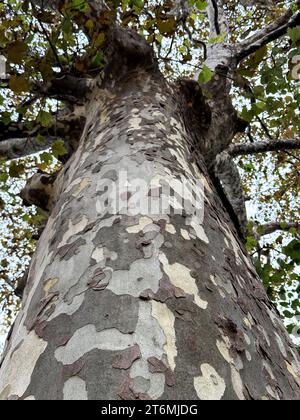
{"points": [[217, 19], [66, 88], [20, 147], [17, 140], [269, 228], [219, 53], [270, 33], [263, 147]]}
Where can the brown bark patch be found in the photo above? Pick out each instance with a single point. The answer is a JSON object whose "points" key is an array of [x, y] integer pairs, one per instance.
{"points": [[125, 359]]}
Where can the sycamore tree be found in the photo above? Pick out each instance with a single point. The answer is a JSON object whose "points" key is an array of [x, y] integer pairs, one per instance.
{"points": [[132, 133]]}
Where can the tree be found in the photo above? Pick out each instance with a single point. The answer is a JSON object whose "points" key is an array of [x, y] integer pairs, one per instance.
{"points": [[123, 299]]}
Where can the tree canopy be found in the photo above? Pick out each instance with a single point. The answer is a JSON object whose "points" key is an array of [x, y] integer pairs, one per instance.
{"points": [[53, 49]]}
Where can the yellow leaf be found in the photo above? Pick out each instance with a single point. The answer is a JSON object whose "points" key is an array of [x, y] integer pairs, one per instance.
{"points": [[167, 26], [89, 25], [99, 39], [19, 84], [16, 52]]}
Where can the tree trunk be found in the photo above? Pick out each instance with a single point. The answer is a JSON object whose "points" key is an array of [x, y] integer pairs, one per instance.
{"points": [[129, 302]]}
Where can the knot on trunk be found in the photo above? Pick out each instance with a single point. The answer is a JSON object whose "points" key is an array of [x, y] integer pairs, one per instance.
{"points": [[126, 50], [194, 108], [40, 191]]}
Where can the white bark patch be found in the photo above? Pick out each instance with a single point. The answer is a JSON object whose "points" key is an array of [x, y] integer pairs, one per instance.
{"points": [[135, 120], [63, 307], [274, 394], [154, 382], [141, 385], [223, 349], [87, 338], [143, 274], [17, 371], [75, 389], [237, 383], [29, 398], [213, 280], [234, 246], [160, 98], [49, 284], [210, 385], [149, 334], [166, 320], [195, 223], [153, 342], [74, 229], [248, 356], [223, 285], [294, 371], [101, 254], [268, 369], [98, 255], [144, 221], [264, 332], [180, 276], [83, 184], [185, 234], [104, 116], [247, 339], [199, 175], [248, 321], [181, 159], [170, 228], [281, 346]]}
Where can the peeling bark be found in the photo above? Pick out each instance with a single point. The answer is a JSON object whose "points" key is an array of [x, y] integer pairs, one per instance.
{"points": [[126, 305]]}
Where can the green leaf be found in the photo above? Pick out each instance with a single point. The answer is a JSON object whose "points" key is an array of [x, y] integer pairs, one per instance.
{"points": [[139, 4], [81, 5], [16, 169], [97, 61], [294, 34], [25, 6], [201, 5], [46, 157], [217, 39], [40, 139], [292, 250], [4, 177], [205, 75], [59, 149], [288, 314], [44, 118]]}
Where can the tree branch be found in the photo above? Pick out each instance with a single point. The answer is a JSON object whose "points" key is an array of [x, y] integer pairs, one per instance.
{"points": [[216, 17], [219, 53], [66, 88], [20, 147], [272, 32], [263, 147], [47, 36], [269, 228], [18, 140], [99, 12]]}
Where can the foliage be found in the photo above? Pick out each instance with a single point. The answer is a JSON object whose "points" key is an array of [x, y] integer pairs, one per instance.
{"points": [[39, 44]]}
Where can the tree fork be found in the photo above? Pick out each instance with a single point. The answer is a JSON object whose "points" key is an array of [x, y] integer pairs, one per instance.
{"points": [[143, 306], [125, 304]]}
